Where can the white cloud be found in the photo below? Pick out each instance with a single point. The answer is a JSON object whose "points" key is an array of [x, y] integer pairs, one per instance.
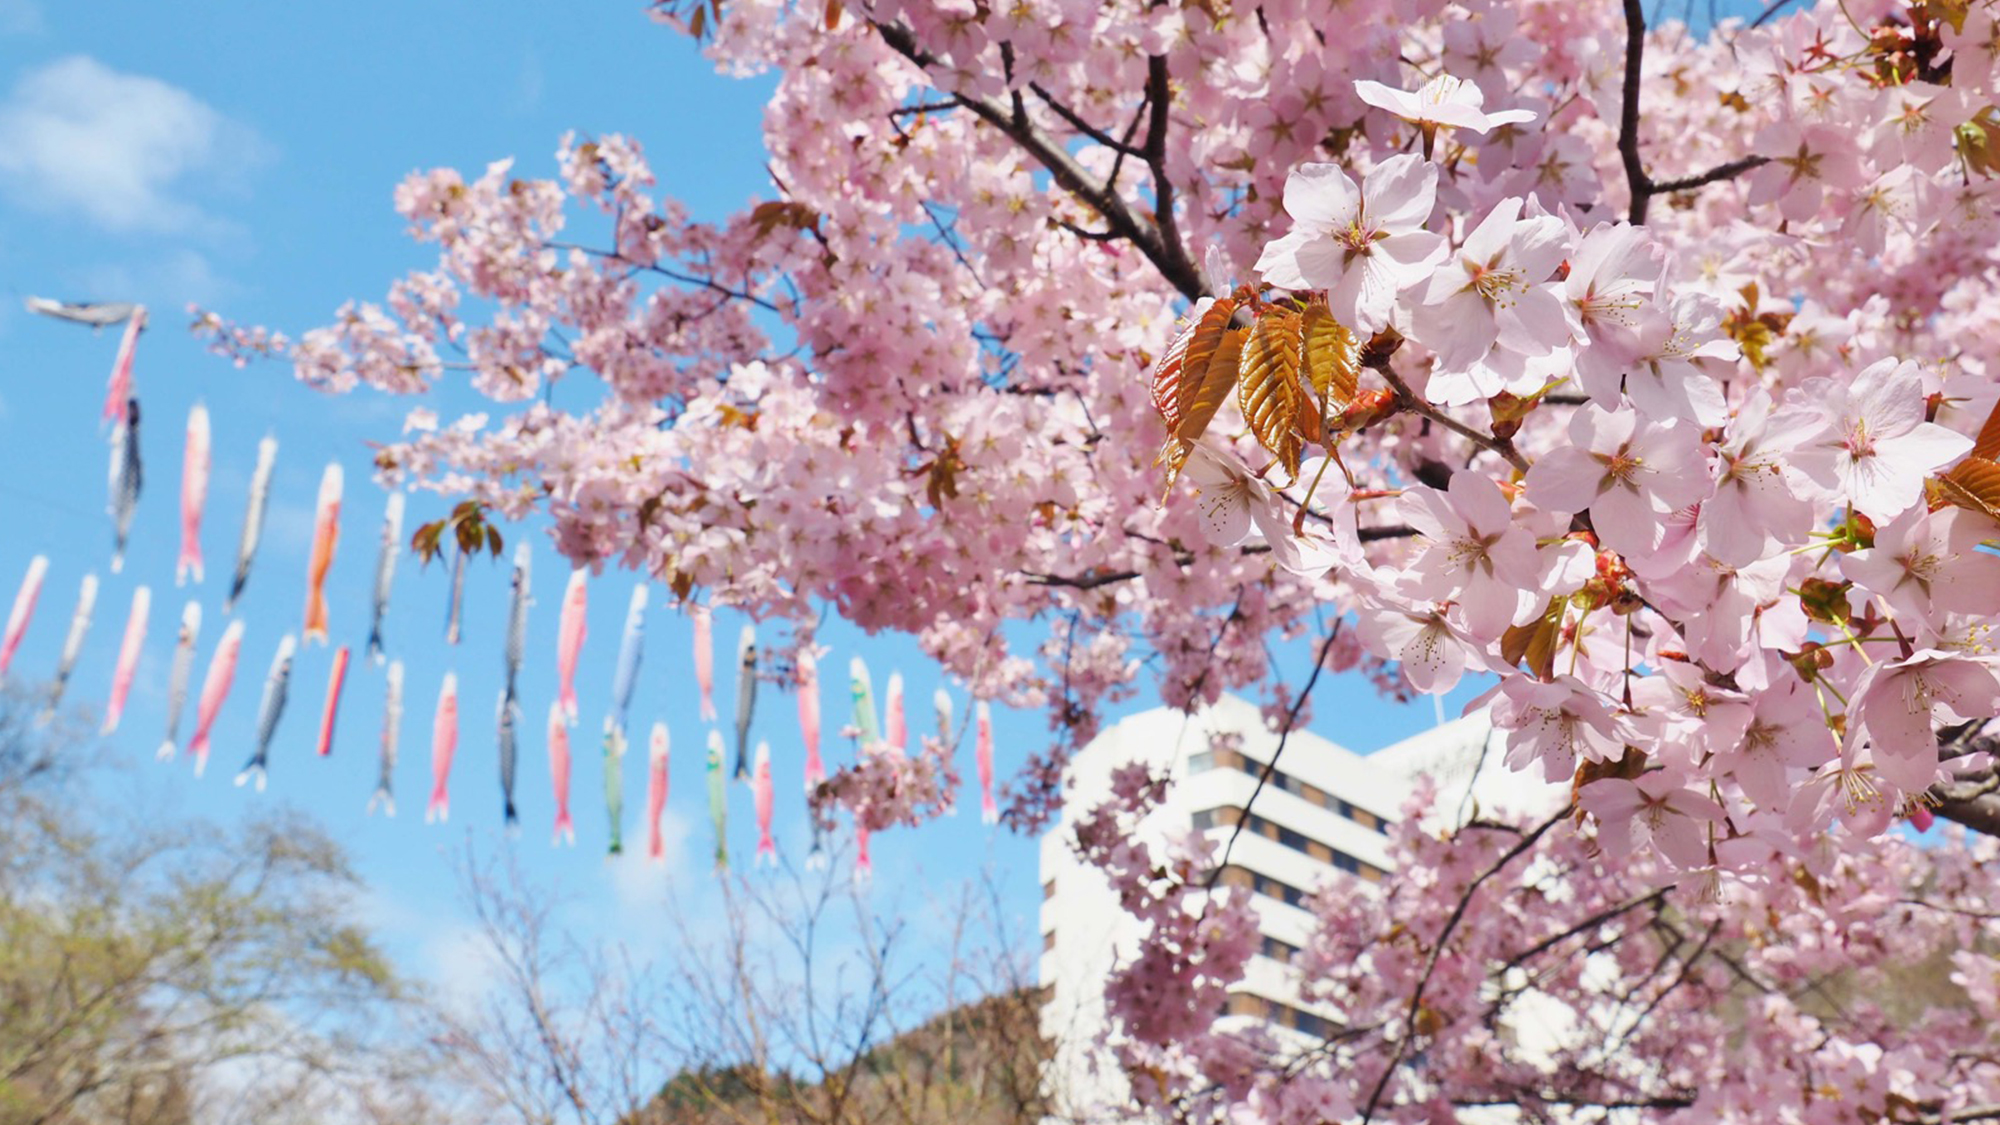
{"points": [[172, 280], [120, 150]]}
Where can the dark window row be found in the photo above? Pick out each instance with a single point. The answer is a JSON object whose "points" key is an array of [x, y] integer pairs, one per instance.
{"points": [[1228, 815], [1280, 951], [1312, 794], [1284, 1015]]}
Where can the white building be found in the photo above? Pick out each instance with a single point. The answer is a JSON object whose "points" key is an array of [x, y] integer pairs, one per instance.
{"points": [[1322, 816]]}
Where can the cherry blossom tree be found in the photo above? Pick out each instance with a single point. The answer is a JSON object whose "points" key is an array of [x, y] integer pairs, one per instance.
{"points": [[1647, 374]]}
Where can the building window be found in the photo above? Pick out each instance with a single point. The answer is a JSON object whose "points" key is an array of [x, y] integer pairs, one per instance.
{"points": [[1281, 951], [1279, 779], [1049, 942], [1048, 890]]}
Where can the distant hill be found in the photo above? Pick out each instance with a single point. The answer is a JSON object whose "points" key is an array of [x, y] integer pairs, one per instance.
{"points": [[978, 1064]]}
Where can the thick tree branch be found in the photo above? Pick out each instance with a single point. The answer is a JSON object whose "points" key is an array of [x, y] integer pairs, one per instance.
{"points": [[1077, 122], [1980, 813], [1628, 116], [1642, 185], [1157, 240]]}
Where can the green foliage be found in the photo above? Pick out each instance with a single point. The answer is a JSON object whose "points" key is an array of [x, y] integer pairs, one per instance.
{"points": [[138, 957]]}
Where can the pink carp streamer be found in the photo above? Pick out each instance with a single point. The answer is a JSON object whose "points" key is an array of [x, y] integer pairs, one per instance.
{"points": [[897, 730], [120, 387], [809, 718], [559, 774], [194, 494], [335, 679], [988, 811], [704, 660], [570, 632], [23, 611], [864, 865], [656, 793], [214, 688], [764, 794], [326, 535], [444, 744], [128, 658]]}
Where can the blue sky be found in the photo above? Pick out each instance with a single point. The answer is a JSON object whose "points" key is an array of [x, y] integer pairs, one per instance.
{"points": [[244, 160]]}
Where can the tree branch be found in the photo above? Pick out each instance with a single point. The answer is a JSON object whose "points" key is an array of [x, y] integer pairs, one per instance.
{"points": [[1437, 953], [1720, 172], [1628, 117], [1642, 185], [1416, 404], [1157, 241]]}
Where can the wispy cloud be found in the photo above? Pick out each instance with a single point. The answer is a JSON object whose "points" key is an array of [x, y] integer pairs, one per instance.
{"points": [[121, 151]]}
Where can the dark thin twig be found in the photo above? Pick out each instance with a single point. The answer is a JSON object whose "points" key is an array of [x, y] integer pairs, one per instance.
{"points": [[1271, 767], [1437, 948], [1771, 9]]}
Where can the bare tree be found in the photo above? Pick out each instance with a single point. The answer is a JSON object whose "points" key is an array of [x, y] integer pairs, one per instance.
{"points": [[804, 1002]]}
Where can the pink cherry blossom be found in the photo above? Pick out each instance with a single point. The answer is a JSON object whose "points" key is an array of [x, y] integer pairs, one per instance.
{"points": [[1629, 474], [1656, 809], [1874, 447], [1899, 704], [1475, 555], [1444, 101], [1364, 245], [1496, 291], [1555, 724]]}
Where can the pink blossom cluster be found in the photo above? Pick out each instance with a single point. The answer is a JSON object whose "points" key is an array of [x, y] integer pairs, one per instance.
{"points": [[1671, 352], [1519, 964]]}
